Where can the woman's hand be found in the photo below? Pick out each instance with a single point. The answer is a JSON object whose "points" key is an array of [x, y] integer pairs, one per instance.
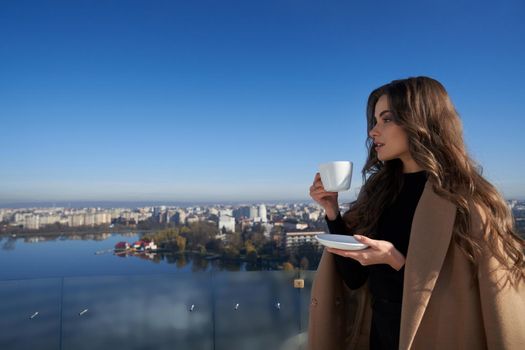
{"points": [[328, 200], [378, 252]]}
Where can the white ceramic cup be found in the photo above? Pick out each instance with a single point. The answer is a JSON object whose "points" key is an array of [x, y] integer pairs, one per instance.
{"points": [[336, 176]]}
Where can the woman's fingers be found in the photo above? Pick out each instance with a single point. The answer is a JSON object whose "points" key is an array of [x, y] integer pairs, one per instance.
{"points": [[347, 253], [368, 241], [320, 189], [317, 181], [322, 194], [319, 194], [337, 251], [361, 256], [378, 252]]}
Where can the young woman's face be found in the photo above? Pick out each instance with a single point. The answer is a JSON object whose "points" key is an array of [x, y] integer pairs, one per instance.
{"points": [[390, 140]]}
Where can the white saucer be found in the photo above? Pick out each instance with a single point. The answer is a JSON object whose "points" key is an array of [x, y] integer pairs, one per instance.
{"points": [[340, 242]]}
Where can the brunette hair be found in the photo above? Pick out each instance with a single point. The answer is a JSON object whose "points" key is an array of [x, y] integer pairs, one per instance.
{"points": [[422, 107]]}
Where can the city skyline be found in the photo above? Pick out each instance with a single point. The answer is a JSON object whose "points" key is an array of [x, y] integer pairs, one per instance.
{"points": [[235, 101]]}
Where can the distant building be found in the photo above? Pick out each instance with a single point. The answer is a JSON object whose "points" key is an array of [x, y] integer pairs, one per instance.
{"points": [[76, 220], [293, 225], [294, 239], [227, 222], [267, 229], [314, 215], [157, 213], [254, 212], [144, 245], [165, 217], [102, 218], [32, 222], [242, 212], [262, 213], [49, 219], [89, 219], [192, 219], [122, 246], [226, 212], [179, 218], [149, 245], [130, 217], [20, 218]]}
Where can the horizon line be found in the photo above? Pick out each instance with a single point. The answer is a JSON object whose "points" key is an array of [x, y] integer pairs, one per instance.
{"points": [[152, 202], [146, 202]]}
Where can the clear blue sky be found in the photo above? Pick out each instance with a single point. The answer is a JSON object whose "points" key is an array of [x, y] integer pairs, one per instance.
{"points": [[238, 100]]}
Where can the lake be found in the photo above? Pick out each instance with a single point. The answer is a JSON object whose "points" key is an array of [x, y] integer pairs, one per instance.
{"points": [[92, 254]]}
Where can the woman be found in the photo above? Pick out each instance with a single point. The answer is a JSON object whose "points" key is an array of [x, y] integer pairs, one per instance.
{"points": [[445, 267]]}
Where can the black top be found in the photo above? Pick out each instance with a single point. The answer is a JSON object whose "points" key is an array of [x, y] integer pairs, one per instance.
{"points": [[394, 226]]}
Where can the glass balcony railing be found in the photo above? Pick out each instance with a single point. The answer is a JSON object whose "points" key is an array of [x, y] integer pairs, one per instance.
{"points": [[212, 310]]}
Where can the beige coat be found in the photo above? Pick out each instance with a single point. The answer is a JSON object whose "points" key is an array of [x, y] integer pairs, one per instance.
{"points": [[443, 306]]}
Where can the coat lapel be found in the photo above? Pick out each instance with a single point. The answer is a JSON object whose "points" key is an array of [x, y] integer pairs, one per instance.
{"points": [[429, 241]]}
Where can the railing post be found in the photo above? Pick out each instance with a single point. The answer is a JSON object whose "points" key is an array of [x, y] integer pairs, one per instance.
{"points": [[61, 299], [213, 306], [298, 284]]}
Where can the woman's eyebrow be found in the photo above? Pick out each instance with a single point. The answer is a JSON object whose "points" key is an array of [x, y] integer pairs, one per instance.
{"points": [[383, 112]]}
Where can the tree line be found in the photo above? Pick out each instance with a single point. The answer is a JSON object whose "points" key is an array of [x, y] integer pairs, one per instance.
{"points": [[250, 245]]}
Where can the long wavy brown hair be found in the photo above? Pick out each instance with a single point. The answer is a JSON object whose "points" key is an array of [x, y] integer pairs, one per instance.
{"points": [[422, 107]]}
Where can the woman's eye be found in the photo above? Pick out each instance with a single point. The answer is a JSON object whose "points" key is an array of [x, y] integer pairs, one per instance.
{"points": [[386, 120]]}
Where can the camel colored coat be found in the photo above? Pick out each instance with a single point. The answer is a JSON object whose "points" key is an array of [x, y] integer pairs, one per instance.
{"points": [[443, 306]]}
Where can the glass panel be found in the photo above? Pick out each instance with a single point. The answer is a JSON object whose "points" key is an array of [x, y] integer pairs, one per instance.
{"points": [[138, 312], [30, 314], [255, 310], [308, 277]]}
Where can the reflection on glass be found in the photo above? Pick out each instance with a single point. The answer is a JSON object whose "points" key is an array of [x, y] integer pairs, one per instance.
{"points": [[210, 310], [30, 314]]}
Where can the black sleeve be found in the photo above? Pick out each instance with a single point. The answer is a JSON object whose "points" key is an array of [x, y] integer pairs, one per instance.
{"points": [[353, 273], [337, 226]]}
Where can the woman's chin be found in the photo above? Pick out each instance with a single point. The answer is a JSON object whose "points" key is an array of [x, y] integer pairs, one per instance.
{"points": [[384, 158]]}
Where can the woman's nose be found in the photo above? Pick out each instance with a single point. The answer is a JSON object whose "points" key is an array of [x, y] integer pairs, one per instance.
{"points": [[373, 132]]}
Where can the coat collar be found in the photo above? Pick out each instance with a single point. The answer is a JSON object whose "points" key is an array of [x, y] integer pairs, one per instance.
{"points": [[430, 238]]}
